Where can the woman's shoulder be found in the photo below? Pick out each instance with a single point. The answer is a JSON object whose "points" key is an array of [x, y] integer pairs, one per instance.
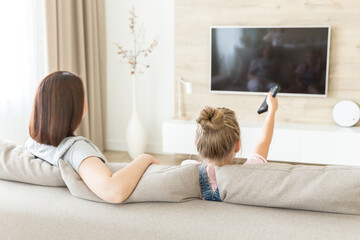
{"points": [[42, 151], [73, 139], [78, 143], [76, 149], [67, 145]]}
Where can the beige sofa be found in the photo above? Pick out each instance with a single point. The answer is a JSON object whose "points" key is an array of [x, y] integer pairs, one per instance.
{"points": [[47, 209], [38, 212]]}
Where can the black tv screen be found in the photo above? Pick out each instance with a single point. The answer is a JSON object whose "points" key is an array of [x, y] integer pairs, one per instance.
{"points": [[253, 59]]}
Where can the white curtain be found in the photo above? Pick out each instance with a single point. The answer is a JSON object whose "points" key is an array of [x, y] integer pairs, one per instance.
{"points": [[22, 64]]}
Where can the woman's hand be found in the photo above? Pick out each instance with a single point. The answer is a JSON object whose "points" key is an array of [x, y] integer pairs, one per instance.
{"points": [[155, 161], [147, 158], [272, 102]]}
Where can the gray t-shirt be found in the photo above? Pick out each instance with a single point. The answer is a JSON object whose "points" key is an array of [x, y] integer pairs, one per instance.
{"points": [[72, 150]]}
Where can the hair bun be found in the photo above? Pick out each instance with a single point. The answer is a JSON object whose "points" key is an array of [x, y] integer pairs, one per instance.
{"points": [[211, 119]]}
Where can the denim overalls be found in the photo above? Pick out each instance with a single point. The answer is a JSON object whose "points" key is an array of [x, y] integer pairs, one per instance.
{"points": [[206, 192]]}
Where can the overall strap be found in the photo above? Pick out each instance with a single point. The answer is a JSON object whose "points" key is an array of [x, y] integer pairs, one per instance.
{"points": [[206, 192]]}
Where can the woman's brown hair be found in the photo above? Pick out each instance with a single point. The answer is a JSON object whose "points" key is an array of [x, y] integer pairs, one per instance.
{"points": [[58, 108], [217, 133]]}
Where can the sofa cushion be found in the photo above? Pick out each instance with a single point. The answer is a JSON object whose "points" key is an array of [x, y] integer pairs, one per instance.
{"points": [[319, 188], [17, 164], [160, 183]]}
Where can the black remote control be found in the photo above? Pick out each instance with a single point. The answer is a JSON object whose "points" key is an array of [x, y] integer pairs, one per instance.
{"points": [[264, 107]]}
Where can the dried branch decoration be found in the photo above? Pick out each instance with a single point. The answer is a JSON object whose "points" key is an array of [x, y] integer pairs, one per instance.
{"points": [[133, 56]]}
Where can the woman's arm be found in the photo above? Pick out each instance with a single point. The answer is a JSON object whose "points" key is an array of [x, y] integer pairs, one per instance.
{"points": [[113, 187], [263, 144]]}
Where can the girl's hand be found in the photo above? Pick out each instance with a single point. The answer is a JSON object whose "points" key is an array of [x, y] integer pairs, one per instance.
{"points": [[263, 144], [272, 102]]}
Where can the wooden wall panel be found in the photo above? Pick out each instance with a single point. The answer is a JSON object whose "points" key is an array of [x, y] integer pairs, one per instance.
{"points": [[193, 19]]}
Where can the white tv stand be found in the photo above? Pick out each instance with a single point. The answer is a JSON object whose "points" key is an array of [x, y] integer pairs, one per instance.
{"points": [[305, 143]]}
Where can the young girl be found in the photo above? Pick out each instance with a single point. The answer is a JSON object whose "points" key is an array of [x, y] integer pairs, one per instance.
{"points": [[218, 141], [58, 109]]}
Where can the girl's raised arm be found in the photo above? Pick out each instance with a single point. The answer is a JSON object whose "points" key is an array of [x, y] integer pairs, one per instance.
{"points": [[113, 187], [263, 144]]}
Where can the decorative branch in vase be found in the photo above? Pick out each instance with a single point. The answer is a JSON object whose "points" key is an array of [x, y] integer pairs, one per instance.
{"points": [[136, 132], [134, 55]]}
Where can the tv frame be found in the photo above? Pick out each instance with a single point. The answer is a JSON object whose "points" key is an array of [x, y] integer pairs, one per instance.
{"points": [[279, 94]]}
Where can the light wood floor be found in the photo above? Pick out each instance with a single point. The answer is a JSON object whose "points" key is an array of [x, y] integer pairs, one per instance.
{"points": [[174, 159], [123, 157], [165, 159]]}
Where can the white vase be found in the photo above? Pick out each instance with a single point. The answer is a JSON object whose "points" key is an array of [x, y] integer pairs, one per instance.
{"points": [[135, 132]]}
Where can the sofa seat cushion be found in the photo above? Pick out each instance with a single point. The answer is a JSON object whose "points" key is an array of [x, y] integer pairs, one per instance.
{"points": [[37, 212]]}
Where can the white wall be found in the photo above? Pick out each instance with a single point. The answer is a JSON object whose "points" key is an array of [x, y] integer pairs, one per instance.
{"points": [[155, 88], [194, 17]]}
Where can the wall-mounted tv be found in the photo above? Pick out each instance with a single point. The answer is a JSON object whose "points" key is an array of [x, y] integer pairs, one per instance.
{"points": [[250, 60]]}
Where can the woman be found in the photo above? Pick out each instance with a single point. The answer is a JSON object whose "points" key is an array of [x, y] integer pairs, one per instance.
{"points": [[58, 109]]}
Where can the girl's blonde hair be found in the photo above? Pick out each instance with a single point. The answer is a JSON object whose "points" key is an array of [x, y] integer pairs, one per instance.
{"points": [[217, 133]]}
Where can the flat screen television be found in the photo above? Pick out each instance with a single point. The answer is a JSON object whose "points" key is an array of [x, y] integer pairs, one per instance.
{"points": [[250, 60]]}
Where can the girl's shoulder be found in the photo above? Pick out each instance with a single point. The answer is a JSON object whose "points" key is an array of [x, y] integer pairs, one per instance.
{"points": [[190, 161], [255, 159]]}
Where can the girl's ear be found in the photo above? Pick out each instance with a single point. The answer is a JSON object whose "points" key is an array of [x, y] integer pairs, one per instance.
{"points": [[237, 146]]}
